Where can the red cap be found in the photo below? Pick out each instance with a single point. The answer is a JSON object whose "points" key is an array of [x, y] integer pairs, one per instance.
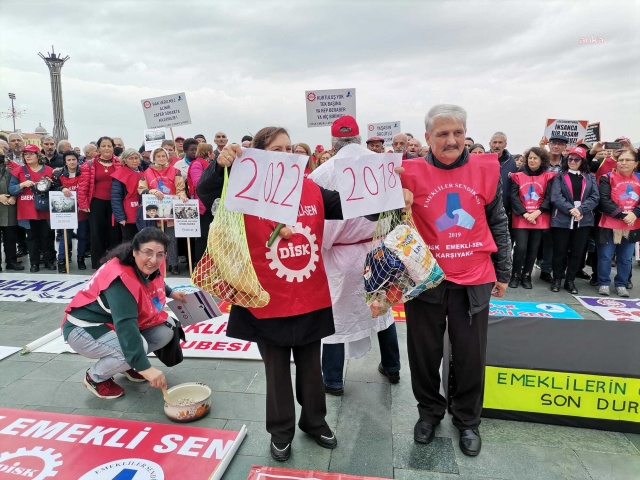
{"points": [[319, 148], [623, 139], [375, 139], [31, 148], [581, 152], [179, 138], [345, 126]]}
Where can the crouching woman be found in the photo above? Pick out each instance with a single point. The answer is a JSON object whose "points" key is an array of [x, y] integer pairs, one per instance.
{"points": [[118, 317]]}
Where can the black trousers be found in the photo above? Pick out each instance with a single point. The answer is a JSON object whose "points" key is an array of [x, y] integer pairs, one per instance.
{"points": [[40, 239], [426, 323], [574, 241], [524, 254], [104, 235], [281, 412], [129, 231], [21, 235], [9, 239], [201, 242]]}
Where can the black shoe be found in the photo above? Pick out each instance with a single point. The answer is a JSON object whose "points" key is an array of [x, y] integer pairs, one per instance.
{"points": [[514, 281], [593, 281], [280, 452], [62, 268], [470, 442], [50, 266], [394, 377], [583, 275], [14, 266], [174, 270], [325, 441], [81, 264], [22, 253], [34, 268], [570, 287], [424, 432], [629, 284], [526, 281], [546, 277], [336, 392], [555, 286]]}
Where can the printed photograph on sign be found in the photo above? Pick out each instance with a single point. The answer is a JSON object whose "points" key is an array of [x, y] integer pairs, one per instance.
{"points": [[63, 210], [186, 218], [325, 106], [154, 209], [153, 138]]}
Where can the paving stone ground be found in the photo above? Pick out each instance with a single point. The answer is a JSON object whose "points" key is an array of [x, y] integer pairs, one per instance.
{"points": [[373, 420]]}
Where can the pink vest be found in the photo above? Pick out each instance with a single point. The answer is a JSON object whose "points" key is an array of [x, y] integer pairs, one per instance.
{"points": [[625, 192], [532, 191], [163, 180]]}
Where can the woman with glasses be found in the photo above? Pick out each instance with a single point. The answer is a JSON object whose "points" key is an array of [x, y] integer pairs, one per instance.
{"points": [[574, 197], [620, 224], [118, 317]]}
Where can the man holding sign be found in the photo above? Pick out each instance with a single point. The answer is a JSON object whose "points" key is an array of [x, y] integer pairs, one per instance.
{"points": [[458, 211]]}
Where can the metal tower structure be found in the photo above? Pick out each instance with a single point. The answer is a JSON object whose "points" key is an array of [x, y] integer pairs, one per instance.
{"points": [[55, 64]]}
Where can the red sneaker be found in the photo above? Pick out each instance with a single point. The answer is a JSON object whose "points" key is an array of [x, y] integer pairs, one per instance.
{"points": [[107, 389], [134, 376]]}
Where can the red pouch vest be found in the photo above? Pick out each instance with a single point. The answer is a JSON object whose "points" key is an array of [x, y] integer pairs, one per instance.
{"points": [[448, 211], [163, 180], [625, 192], [131, 200], [150, 299], [532, 191], [25, 203], [291, 271]]}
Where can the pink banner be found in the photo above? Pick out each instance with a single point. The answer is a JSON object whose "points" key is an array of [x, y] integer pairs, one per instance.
{"points": [[274, 473]]}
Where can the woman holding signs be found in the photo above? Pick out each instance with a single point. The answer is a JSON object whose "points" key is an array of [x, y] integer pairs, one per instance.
{"points": [[299, 313], [125, 198]]}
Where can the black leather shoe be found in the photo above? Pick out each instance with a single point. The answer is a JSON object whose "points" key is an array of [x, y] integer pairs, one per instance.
{"points": [[514, 281], [470, 442], [555, 286], [175, 270], [34, 268], [570, 287], [325, 441], [280, 451], [424, 432], [594, 281], [583, 275], [50, 266], [336, 392], [394, 377], [81, 264], [15, 266], [526, 281], [546, 277]]}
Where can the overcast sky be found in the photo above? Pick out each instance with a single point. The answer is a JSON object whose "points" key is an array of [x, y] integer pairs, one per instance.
{"points": [[246, 65]]}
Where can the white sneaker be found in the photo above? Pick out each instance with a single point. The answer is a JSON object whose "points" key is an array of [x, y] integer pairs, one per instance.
{"points": [[622, 292], [604, 290]]}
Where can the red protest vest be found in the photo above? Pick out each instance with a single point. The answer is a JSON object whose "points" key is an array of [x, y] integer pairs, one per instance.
{"points": [[25, 203], [448, 211], [131, 201], [163, 180], [625, 192], [291, 271], [150, 299], [532, 191], [72, 184]]}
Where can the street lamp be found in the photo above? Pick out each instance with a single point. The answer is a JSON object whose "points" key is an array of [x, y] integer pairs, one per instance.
{"points": [[12, 96]]}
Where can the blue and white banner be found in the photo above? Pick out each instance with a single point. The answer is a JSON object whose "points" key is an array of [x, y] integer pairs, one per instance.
{"points": [[500, 308]]}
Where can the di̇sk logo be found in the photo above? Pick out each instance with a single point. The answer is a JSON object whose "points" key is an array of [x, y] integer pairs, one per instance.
{"points": [[311, 97], [454, 215], [296, 258], [126, 469], [35, 463]]}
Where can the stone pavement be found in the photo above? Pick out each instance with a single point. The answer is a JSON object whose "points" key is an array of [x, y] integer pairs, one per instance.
{"points": [[373, 420]]}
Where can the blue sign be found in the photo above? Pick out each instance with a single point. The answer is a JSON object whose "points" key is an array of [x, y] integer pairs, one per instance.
{"points": [[498, 308]]}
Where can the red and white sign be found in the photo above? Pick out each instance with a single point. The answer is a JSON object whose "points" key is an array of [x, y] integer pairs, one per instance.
{"points": [[275, 473], [266, 184], [44, 445], [369, 184], [574, 130]]}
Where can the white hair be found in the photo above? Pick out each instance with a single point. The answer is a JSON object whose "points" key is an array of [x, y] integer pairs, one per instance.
{"points": [[48, 137], [87, 147], [16, 135], [499, 134], [62, 142], [339, 142], [453, 112]]}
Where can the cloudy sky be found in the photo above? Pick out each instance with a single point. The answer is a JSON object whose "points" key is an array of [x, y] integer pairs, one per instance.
{"points": [[246, 64]]}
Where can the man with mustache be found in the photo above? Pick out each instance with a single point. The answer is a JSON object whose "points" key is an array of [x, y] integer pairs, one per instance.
{"points": [[498, 145]]}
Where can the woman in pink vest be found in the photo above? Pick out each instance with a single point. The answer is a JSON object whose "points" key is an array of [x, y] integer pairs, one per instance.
{"points": [[530, 206], [204, 156], [620, 223], [118, 317], [125, 198]]}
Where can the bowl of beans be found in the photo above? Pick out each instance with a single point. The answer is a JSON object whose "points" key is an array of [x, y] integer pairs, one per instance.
{"points": [[188, 402]]}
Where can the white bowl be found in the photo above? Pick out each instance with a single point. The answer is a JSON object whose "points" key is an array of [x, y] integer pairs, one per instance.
{"points": [[189, 402]]}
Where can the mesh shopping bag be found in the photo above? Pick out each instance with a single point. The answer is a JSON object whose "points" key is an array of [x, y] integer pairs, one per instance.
{"points": [[399, 265], [226, 270]]}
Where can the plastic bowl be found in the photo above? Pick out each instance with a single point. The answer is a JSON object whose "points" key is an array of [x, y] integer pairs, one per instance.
{"points": [[189, 401]]}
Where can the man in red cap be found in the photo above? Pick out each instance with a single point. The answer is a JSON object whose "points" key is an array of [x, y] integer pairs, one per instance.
{"points": [[376, 144], [179, 151]]}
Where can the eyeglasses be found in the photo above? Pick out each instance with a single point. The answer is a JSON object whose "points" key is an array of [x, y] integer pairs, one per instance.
{"points": [[574, 160], [149, 254], [557, 144], [623, 160]]}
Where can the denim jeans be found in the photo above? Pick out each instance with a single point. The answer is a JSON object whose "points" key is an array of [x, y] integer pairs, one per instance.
{"points": [[333, 357], [624, 255], [83, 237], [107, 349]]}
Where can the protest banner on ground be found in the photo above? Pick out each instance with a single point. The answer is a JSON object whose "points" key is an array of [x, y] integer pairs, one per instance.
{"points": [[166, 111], [63, 210], [593, 133], [384, 130], [154, 209], [501, 308], [616, 309], [186, 218], [41, 445], [7, 351], [154, 137], [574, 130], [325, 106], [276, 473]]}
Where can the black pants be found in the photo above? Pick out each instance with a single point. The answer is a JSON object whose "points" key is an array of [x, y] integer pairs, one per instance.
{"points": [[40, 239], [201, 243], [104, 235], [574, 241], [426, 323], [9, 242], [129, 231], [526, 249], [21, 236], [281, 412]]}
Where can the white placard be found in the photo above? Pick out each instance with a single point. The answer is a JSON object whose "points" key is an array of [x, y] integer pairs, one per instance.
{"points": [[266, 184], [186, 218], [385, 130], [154, 209], [198, 307], [153, 138], [166, 111], [369, 184], [574, 130], [63, 210], [325, 106]]}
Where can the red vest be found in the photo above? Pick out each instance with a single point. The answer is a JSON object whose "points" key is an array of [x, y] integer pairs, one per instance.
{"points": [[150, 299], [625, 192], [291, 271], [72, 184], [130, 202], [26, 203], [448, 211], [532, 191], [163, 180]]}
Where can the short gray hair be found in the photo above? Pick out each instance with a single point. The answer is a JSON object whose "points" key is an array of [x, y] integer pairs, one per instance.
{"points": [[130, 152], [499, 134], [60, 143], [339, 142], [16, 135], [48, 137], [87, 147], [445, 110]]}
